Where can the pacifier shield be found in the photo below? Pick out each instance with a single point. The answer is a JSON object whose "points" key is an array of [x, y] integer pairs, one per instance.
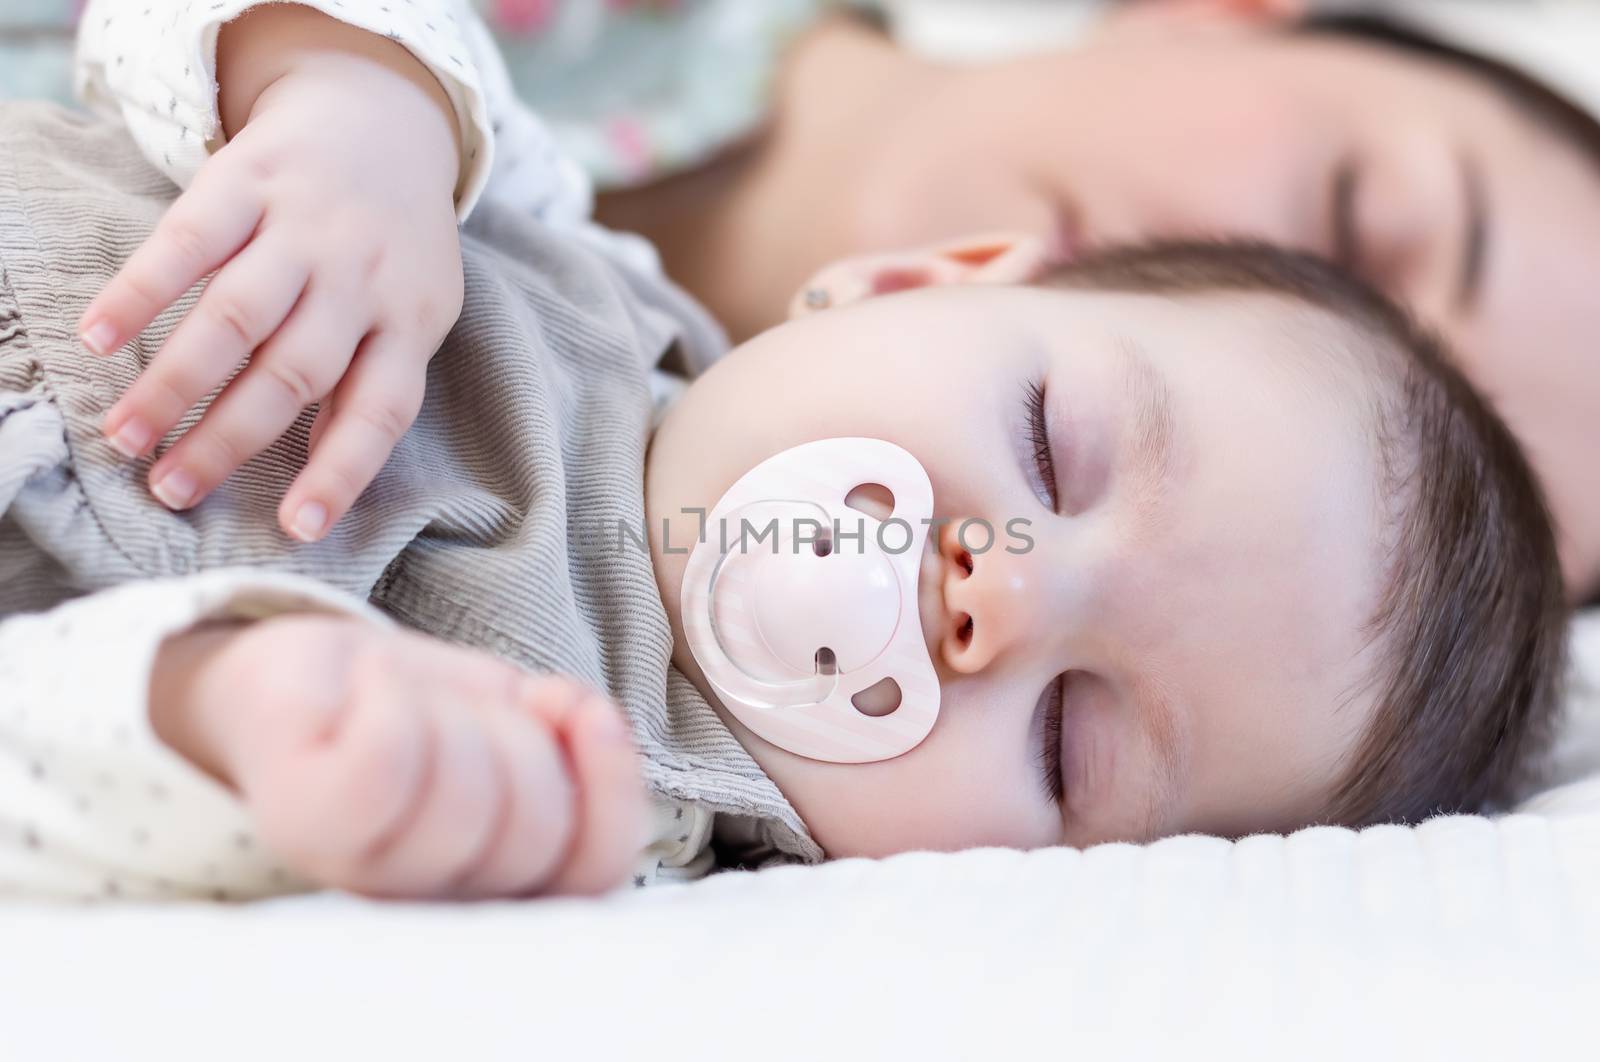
{"points": [[761, 601]]}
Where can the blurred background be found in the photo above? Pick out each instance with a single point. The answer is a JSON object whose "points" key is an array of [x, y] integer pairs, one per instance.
{"points": [[690, 76], [708, 60], [36, 47]]}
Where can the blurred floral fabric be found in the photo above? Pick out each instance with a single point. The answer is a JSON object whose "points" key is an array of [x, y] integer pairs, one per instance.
{"points": [[36, 48], [632, 89]]}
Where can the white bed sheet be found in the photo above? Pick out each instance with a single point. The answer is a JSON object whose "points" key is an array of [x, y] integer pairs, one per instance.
{"points": [[1463, 938]]}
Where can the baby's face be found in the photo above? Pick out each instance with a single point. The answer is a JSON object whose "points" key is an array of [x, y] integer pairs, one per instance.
{"points": [[1202, 571]]}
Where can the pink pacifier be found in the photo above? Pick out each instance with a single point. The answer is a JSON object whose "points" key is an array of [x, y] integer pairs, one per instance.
{"points": [[795, 603]]}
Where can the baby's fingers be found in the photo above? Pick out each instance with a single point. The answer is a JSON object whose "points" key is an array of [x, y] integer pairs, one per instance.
{"points": [[243, 305], [461, 808], [300, 364], [200, 231], [538, 825], [612, 808], [372, 408]]}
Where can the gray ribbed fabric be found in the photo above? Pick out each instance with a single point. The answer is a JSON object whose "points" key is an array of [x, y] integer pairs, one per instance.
{"points": [[533, 432]]}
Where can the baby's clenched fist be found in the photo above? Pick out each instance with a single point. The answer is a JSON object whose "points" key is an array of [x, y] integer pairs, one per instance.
{"points": [[391, 764]]}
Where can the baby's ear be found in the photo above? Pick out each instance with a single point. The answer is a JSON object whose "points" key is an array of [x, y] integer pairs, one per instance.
{"points": [[1190, 18], [993, 258]]}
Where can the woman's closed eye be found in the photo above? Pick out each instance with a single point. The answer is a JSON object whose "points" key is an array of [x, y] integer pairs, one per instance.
{"points": [[1347, 250]]}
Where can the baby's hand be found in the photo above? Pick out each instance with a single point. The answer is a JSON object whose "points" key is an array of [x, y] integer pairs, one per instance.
{"points": [[330, 221], [395, 765]]}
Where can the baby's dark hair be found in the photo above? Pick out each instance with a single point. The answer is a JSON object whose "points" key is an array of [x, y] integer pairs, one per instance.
{"points": [[1471, 625]]}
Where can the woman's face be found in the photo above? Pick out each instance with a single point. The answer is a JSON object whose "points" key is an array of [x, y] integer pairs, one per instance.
{"points": [[1419, 173]]}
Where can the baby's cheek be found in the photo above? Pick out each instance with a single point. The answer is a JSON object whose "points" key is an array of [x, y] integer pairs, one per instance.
{"points": [[948, 794]]}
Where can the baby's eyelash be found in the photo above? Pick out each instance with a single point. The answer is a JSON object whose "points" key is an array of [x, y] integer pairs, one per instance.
{"points": [[1049, 754], [1039, 437]]}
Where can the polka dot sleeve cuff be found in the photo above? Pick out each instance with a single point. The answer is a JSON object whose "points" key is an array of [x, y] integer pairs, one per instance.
{"points": [[152, 64], [92, 804]]}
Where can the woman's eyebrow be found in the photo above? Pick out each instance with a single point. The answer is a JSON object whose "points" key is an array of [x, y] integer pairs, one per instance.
{"points": [[1476, 243]]}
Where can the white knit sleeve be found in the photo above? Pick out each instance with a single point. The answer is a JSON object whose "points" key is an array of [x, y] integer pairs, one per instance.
{"points": [[92, 803], [153, 65]]}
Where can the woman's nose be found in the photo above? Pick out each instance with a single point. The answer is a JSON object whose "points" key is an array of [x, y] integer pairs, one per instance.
{"points": [[991, 597]]}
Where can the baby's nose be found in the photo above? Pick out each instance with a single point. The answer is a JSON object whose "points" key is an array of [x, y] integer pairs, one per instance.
{"points": [[988, 593]]}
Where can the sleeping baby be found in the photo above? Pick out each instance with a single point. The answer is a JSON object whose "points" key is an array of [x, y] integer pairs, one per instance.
{"points": [[983, 547]]}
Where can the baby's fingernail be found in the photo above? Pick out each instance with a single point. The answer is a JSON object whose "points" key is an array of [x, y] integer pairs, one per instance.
{"points": [[610, 726], [133, 438], [176, 489], [100, 337], [309, 522]]}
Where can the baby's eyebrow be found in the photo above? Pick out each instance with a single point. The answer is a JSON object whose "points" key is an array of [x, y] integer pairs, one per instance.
{"points": [[1153, 434], [1169, 741], [1152, 424]]}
